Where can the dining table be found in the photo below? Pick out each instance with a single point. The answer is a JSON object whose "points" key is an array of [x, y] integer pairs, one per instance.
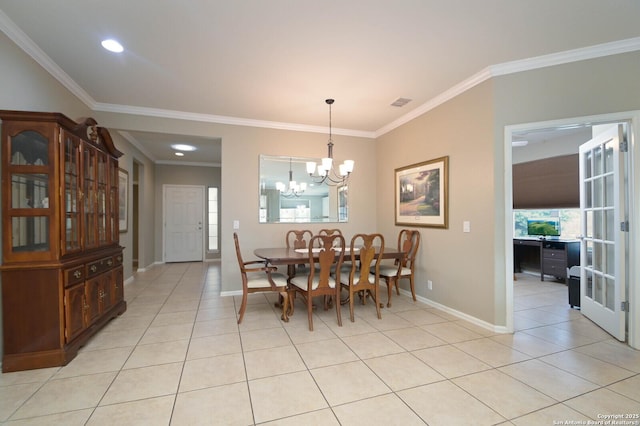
{"points": [[290, 256]]}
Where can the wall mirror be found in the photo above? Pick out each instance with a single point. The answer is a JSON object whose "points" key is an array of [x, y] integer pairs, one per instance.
{"points": [[289, 195]]}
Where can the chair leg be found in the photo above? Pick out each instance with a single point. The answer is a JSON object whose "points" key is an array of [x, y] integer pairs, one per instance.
{"points": [[398, 287], [310, 311], [292, 298], [243, 306], [339, 306], [352, 294], [413, 289], [390, 283], [377, 290], [285, 306]]}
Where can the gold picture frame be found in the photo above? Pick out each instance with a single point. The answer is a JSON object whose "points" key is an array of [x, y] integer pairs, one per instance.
{"points": [[422, 194], [123, 198]]}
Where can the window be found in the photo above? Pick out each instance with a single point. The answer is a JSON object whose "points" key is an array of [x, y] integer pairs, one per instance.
{"points": [[569, 221], [212, 219]]}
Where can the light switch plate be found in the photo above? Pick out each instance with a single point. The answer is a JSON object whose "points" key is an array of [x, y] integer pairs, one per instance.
{"points": [[466, 226]]}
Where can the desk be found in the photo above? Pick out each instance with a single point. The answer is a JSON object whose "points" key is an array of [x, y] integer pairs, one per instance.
{"points": [[288, 256], [549, 256]]}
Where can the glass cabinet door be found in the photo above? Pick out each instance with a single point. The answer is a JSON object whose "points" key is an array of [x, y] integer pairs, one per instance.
{"points": [[90, 196], [71, 201], [29, 205], [101, 198], [112, 217]]}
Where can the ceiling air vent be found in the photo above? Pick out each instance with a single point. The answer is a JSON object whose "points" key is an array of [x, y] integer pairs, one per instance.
{"points": [[400, 102]]}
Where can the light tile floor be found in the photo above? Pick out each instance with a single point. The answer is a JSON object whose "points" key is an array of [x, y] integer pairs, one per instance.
{"points": [[178, 357]]}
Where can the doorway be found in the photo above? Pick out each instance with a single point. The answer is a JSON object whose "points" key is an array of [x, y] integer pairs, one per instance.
{"points": [[632, 290], [183, 222]]}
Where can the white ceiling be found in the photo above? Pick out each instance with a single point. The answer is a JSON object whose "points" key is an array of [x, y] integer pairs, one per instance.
{"points": [[273, 63]]}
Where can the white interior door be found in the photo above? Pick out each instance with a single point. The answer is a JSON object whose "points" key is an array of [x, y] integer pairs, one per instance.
{"points": [[183, 223], [603, 247]]}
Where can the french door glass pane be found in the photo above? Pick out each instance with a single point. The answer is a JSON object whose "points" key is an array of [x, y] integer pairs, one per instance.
{"points": [[597, 161], [609, 293], [589, 284], [597, 288]]}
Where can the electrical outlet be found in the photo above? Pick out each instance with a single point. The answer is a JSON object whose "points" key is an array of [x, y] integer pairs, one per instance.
{"points": [[430, 284], [236, 224]]}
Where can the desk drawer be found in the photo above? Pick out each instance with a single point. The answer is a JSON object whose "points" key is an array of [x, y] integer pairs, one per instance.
{"points": [[554, 254], [557, 268]]}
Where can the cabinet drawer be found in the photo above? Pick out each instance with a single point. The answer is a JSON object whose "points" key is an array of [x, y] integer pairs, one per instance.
{"points": [[74, 275], [99, 266], [553, 254], [557, 268]]}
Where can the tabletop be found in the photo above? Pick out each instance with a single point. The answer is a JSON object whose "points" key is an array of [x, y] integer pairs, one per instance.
{"points": [[289, 256]]}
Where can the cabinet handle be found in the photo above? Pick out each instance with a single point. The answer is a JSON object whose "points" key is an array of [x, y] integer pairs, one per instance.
{"points": [[119, 258], [93, 268], [109, 262], [77, 273]]}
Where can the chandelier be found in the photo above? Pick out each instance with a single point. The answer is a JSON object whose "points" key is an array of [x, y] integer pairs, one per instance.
{"points": [[294, 189], [325, 171]]}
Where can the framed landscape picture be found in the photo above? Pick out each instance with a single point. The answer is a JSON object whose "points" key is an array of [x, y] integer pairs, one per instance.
{"points": [[123, 197], [422, 194]]}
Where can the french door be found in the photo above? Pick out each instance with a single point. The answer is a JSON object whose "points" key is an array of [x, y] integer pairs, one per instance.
{"points": [[183, 223], [603, 243]]}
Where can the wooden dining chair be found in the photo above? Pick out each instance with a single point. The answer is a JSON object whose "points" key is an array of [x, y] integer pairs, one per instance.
{"points": [[325, 252], [334, 231], [346, 264], [365, 252], [260, 278], [408, 244], [297, 239]]}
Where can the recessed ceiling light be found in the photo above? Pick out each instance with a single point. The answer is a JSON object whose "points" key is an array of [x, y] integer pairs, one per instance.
{"points": [[112, 45], [180, 154], [183, 147]]}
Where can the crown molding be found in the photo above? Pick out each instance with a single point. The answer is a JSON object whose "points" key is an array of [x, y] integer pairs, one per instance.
{"points": [[221, 119], [133, 141], [187, 163], [575, 55], [568, 56], [456, 90]]}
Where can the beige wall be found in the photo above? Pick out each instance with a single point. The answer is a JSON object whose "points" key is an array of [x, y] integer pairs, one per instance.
{"points": [[468, 269], [240, 196], [459, 264]]}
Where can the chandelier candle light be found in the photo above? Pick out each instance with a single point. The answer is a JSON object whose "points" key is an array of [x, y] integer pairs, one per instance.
{"points": [[325, 171], [295, 189]]}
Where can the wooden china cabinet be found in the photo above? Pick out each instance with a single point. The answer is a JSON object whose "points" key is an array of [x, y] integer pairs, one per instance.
{"points": [[61, 259]]}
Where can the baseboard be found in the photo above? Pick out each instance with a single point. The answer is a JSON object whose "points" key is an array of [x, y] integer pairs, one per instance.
{"points": [[476, 321]]}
